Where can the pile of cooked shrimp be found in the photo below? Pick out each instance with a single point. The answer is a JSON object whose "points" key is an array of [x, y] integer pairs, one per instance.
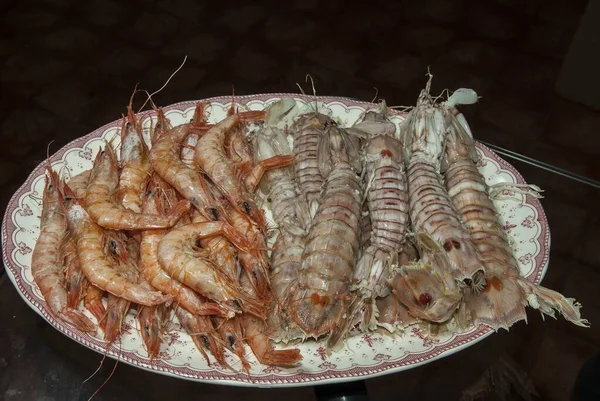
{"points": [[371, 227]]}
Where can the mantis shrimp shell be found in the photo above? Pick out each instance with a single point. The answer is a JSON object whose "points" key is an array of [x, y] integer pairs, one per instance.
{"points": [[332, 246], [502, 302]]}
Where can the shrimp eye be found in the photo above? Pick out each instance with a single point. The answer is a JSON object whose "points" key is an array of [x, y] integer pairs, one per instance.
{"points": [[215, 213], [246, 207], [147, 331], [113, 246], [269, 200], [456, 244], [448, 246], [425, 299], [205, 341], [231, 340]]}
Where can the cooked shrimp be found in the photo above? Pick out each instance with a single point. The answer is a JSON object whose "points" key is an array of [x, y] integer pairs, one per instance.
{"points": [[257, 338], [45, 260], [203, 333], [166, 162], [198, 127], [503, 300], [255, 264], [328, 260], [196, 270], [135, 164], [211, 158], [431, 209], [107, 214], [220, 251], [156, 276], [427, 287], [76, 283], [100, 271], [232, 335]]}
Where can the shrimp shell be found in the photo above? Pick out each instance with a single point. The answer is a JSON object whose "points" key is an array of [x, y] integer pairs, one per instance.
{"points": [[289, 211], [76, 282], [286, 260]]}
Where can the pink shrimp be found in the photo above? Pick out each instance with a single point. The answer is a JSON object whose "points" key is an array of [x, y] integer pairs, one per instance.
{"points": [[166, 161], [152, 270], [194, 268], [45, 260], [135, 164], [211, 158], [100, 271], [107, 214]]}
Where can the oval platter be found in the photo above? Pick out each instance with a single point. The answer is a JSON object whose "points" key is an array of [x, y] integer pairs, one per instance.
{"points": [[363, 356]]}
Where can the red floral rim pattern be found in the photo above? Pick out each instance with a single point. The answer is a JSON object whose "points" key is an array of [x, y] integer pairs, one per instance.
{"points": [[460, 341]]}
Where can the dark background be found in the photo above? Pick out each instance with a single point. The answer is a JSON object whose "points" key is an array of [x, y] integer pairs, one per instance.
{"points": [[69, 67]]}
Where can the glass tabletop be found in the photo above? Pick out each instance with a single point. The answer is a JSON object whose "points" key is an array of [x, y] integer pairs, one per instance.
{"points": [[70, 67]]}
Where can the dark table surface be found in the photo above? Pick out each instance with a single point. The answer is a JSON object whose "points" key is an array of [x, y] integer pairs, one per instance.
{"points": [[69, 67]]}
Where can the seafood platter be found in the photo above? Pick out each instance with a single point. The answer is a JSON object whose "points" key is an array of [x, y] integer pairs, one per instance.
{"points": [[281, 239]]}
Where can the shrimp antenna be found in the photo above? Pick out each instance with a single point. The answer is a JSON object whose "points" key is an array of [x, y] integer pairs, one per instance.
{"points": [[107, 379], [429, 79], [135, 90], [165, 84], [312, 83], [376, 94]]}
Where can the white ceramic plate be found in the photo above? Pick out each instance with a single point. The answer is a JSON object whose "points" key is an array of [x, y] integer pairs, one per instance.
{"points": [[364, 356]]}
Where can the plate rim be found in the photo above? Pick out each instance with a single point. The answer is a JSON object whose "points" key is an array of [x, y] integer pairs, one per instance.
{"points": [[268, 381]]}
